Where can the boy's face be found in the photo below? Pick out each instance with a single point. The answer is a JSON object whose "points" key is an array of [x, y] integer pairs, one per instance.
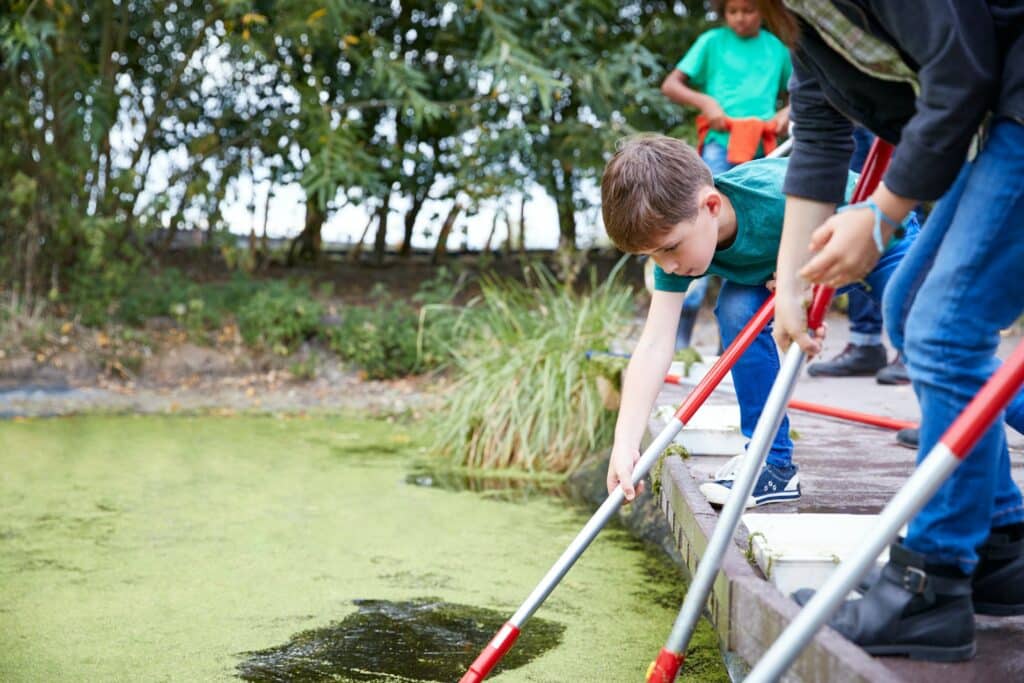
{"points": [[688, 248], [742, 17]]}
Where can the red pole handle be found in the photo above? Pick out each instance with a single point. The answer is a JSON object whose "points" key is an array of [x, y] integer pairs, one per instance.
{"points": [[495, 650]]}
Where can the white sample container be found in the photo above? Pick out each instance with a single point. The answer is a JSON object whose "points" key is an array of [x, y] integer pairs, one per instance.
{"points": [[697, 372], [801, 550], [713, 430]]}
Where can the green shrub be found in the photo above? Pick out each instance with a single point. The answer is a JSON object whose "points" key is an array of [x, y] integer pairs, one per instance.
{"points": [[388, 340], [525, 395], [279, 317], [393, 339]]}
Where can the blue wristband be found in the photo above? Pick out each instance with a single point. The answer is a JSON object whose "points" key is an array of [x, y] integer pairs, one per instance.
{"points": [[876, 232]]}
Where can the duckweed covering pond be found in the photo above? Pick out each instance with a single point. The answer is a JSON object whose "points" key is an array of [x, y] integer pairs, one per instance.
{"points": [[187, 548]]}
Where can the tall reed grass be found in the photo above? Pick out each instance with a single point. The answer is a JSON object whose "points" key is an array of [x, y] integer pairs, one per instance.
{"points": [[525, 396]]}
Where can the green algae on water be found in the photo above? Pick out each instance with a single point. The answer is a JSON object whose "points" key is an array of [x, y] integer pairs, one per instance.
{"points": [[159, 548]]}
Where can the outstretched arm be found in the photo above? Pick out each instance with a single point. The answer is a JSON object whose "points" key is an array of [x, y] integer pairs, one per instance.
{"points": [[644, 378]]}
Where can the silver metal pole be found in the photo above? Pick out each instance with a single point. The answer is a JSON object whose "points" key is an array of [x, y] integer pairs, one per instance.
{"points": [[918, 490], [583, 539], [742, 487]]}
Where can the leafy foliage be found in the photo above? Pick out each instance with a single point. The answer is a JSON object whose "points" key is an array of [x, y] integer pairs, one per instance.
{"points": [[525, 396], [394, 339], [279, 317]]}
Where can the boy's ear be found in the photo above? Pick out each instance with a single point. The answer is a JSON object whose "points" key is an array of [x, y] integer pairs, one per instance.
{"points": [[713, 200]]}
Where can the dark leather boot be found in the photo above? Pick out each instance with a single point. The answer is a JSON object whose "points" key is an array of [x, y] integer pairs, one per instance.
{"points": [[853, 361], [999, 579], [911, 610], [909, 437], [997, 584], [893, 373]]}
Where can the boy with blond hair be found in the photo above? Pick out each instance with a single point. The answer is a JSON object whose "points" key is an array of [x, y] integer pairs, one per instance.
{"points": [[660, 199]]}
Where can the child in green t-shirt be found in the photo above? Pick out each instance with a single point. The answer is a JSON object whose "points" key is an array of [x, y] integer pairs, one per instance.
{"points": [[658, 198], [733, 71]]}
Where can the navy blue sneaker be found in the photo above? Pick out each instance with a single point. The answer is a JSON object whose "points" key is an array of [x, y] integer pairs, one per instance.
{"points": [[773, 485]]}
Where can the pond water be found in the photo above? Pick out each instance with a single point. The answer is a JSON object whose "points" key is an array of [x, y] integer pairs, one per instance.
{"points": [[274, 549]]}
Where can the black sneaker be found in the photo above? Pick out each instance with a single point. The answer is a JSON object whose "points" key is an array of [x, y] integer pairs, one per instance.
{"points": [[773, 485], [912, 610], [894, 373], [856, 360], [909, 437]]}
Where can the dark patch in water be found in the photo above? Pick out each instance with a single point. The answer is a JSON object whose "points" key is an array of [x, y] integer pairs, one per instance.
{"points": [[420, 640]]}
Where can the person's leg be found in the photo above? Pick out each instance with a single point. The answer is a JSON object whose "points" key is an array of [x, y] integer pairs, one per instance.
{"points": [[862, 140], [972, 291], [865, 354], [865, 318], [753, 376], [964, 271], [754, 373]]}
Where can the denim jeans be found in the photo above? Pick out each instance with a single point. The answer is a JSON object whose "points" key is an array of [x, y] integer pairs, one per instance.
{"points": [[865, 317], [716, 157], [959, 285], [755, 371]]}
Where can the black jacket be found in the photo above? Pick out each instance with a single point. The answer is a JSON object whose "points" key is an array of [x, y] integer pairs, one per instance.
{"points": [[969, 60]]}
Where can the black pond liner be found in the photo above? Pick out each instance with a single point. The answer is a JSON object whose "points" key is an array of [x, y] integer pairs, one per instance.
{"points": [[419, 640]]}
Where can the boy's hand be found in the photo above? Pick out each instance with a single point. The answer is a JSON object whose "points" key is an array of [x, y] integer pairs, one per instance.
{"points": [[620, 471], [714, 113], [846, 252]]}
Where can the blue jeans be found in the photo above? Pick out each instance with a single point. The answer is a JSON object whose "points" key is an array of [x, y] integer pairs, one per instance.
{"points": [[716, 157], [755, 371], [865, 317], [959, 285]]}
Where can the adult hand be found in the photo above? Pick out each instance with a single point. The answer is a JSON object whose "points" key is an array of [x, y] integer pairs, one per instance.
{"points": [[791, 319], [845, 249], [714, 113], [620, 471]]}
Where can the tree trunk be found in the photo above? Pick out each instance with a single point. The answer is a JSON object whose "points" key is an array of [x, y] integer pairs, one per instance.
{"points": [[410, 223], [494, 229], [380, 243], [357, 248], [307, 245], [522, 224], [441, 248], [566, 213]]}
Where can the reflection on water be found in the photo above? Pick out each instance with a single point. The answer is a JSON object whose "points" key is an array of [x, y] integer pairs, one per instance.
{"points": [[496, 485], [420, 640]]}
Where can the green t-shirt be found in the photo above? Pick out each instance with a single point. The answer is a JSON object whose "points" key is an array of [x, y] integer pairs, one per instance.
{"points": [[745, 75], [755, 191]]}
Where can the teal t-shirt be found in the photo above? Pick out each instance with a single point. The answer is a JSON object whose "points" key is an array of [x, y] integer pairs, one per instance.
{"points": [[755, 191], [745, 75]]}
